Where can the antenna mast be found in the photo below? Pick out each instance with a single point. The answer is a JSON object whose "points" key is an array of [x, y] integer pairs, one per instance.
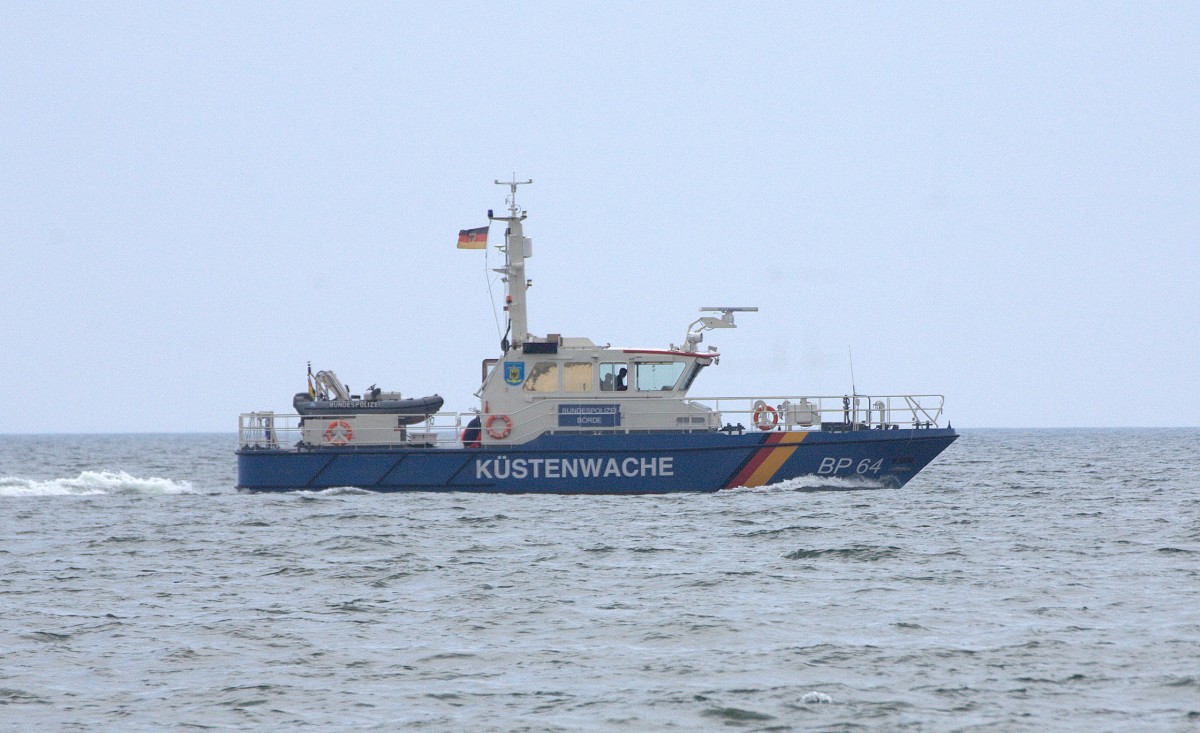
{"points": [[511, 199], [853, 388], [516, 248]]}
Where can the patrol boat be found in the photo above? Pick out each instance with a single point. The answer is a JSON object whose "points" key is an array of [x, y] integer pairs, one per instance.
{"points": [[567, 415]]}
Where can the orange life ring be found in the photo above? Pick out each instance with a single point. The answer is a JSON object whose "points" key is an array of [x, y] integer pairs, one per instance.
{"points": [[765, 416], [339, 433], [498, 433]]}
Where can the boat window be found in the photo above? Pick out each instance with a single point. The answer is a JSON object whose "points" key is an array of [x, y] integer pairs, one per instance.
{"points": [[614, 376], [487, 368], [691, 377], [577, 376], [656, 376], [542, 377]]}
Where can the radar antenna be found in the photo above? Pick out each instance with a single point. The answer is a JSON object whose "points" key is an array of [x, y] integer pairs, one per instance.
{"points": [[695, 332], [511, 199]]}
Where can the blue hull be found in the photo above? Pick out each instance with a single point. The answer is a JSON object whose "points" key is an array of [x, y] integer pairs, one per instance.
{"points": [[646, 463]]}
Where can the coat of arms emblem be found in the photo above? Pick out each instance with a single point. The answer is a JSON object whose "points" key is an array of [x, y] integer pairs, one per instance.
{"points": [[514, 372]]}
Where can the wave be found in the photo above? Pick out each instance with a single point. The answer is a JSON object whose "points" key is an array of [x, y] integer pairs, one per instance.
{"points": [[90, 483], [854, 552], [334, 491], [822, 483]]}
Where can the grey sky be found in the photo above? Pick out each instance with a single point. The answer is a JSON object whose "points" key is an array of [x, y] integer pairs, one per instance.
{"points": [[996, 202]]}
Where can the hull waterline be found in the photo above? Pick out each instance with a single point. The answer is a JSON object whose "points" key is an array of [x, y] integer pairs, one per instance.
{"points": [[615, 464]]}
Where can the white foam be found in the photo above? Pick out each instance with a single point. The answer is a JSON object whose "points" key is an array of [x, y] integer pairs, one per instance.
{"points": [[337, 491], [820, 483], [831, 482], [815, 697], [93, 482]]}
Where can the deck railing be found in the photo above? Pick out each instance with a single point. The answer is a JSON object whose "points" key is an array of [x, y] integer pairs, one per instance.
{"points": [[707, 414], [840, 412]]}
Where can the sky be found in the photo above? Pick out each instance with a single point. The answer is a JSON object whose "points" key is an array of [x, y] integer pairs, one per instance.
{"points": [[997, 202]]}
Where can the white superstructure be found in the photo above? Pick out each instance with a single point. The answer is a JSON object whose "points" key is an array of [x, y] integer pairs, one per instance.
{"points": [[548, 383]]}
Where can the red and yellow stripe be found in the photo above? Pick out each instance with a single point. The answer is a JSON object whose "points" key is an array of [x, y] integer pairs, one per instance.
{"points": [[766, 461]]}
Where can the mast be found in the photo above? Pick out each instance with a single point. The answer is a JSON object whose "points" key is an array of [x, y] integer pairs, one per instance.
{"points": [[516, 248]]}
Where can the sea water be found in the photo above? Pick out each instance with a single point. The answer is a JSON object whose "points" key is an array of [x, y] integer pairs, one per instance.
{"points": [[1028, 580]]}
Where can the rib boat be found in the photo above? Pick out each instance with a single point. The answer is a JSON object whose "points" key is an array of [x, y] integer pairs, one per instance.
{"points": [[566, 415]]}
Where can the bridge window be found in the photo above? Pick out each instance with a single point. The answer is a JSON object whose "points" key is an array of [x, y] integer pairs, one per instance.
{"points": [[691, 377], [577, 376], [542, 377], [658, 376], [614, 376]]}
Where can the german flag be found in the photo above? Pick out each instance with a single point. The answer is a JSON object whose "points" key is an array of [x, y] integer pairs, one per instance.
{"points": [[472, 238]]}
